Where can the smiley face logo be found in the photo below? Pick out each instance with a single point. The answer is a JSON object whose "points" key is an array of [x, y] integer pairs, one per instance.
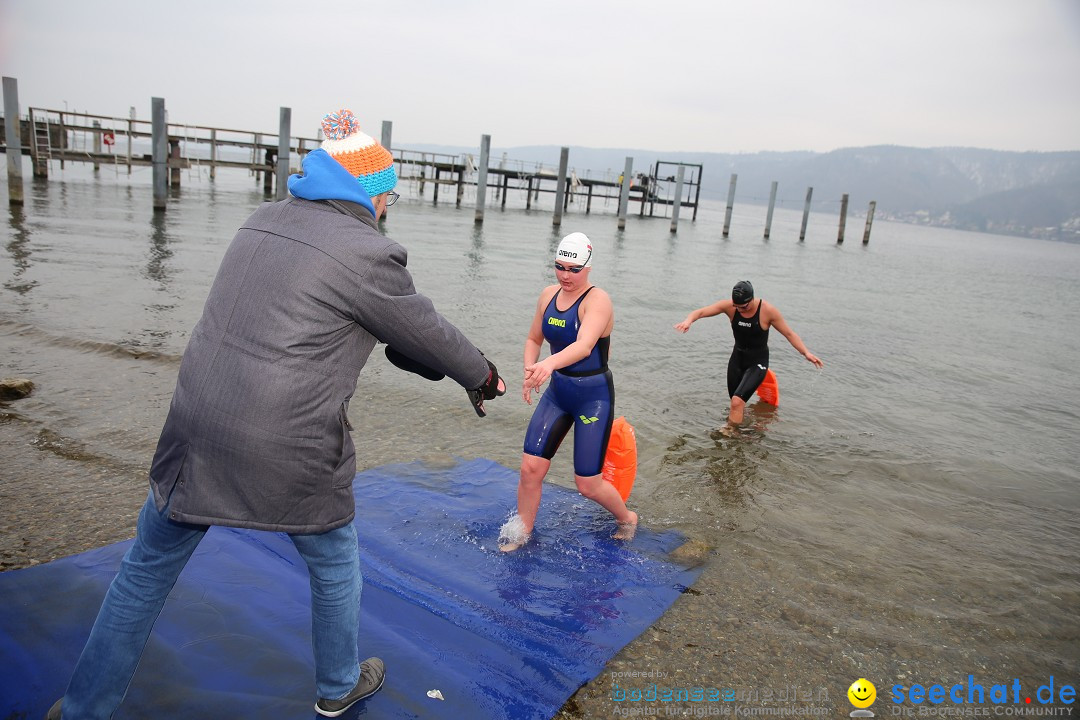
{"points": [[862, 693]]}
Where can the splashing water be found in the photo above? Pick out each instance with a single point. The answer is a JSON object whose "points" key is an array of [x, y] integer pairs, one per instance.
{"points": [[513, 532]]}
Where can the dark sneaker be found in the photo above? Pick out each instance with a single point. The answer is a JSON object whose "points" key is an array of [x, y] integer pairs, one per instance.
{"points": [[54, 711], [372, 674]]}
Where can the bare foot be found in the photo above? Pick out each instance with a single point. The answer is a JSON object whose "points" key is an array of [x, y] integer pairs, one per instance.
{"points": [[626, 530], [513, 534], [730, 431], [512, 546]]}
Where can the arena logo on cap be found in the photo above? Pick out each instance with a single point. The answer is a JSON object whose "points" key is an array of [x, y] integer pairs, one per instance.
{"points": [[575, 247]]}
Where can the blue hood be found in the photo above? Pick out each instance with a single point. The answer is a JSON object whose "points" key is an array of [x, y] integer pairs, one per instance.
{"points": [[324, 178]]}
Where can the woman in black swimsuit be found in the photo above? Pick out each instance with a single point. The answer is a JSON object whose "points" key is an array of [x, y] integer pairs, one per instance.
{"points": [[751, 318]]}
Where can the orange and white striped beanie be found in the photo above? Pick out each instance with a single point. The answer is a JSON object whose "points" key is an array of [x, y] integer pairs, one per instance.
{"points": [[359, 153]]}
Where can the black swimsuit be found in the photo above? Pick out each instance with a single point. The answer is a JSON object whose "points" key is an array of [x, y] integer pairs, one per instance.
{"points": [[750, 358]]}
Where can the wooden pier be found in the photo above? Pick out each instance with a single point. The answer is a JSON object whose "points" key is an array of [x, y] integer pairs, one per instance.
{"points": [[533, 178], [62, 136], [49, 136], [52, 136]]}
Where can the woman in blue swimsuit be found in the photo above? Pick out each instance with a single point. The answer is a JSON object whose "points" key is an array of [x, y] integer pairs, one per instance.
{"points": [[575, 318]]}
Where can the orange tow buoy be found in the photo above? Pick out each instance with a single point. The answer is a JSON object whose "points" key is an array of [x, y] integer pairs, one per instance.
{"points": [[620, 463], [768, 390]]}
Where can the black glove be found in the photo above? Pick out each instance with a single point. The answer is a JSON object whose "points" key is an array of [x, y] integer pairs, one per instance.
{"points": [[488, 390], [409, 365]]}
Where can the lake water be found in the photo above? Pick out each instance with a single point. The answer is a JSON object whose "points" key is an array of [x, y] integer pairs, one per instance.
{"points": [[907, 514]]}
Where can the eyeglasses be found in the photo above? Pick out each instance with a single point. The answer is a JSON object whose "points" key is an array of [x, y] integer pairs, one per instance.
{"points": [[391, 198], [743, 307]]}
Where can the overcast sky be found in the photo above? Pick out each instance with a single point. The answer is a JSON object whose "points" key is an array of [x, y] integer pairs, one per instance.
{"points": [[715, 75]]}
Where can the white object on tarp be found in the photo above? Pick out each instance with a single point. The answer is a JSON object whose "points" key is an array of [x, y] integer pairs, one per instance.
{"points": [[437, 695]]}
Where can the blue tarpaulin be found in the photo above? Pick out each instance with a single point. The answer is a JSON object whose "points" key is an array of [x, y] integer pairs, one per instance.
{"points": [[499, 635]]}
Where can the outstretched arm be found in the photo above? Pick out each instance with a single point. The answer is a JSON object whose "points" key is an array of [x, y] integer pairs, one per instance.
{"points": [[777, 321], [388, 306], [720, 306], [534, 342]]}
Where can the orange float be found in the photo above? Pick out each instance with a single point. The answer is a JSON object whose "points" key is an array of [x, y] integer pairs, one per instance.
{"points": [[620, 462], [768, 390]]}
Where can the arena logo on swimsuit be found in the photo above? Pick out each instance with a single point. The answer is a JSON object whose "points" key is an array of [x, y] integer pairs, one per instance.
{"points": [[745, 324], [557, 321]]}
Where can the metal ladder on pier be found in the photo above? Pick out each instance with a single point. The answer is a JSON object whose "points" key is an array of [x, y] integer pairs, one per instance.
{"points": [[42, 148]]}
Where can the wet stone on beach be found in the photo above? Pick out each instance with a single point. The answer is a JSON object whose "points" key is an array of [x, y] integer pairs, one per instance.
{"points": [[15, 388], [691, 553]]}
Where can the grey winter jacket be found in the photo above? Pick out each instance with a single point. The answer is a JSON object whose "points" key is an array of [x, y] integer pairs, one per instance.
{"points": [[257, 434]]}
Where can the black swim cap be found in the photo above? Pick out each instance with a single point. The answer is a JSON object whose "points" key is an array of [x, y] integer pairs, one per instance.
{"points": [[742, 293]]}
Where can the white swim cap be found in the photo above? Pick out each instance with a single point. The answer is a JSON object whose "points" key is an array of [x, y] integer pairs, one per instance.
{"points": [[575, 248]]}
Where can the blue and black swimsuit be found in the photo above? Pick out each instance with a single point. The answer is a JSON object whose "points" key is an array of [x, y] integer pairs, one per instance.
{"points": [[581, 395], [749, 359]]}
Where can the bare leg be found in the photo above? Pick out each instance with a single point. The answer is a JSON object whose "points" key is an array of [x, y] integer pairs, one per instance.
{"points": [[604, 493], [735, 417], [530, 487]]}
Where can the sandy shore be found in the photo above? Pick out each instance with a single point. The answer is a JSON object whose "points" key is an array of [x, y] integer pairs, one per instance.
{"points": [[746, 640]]}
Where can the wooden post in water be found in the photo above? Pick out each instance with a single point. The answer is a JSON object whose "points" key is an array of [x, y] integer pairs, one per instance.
{"points": [[131, 137], [697, 194], [63, 139], [481, 177], [423, 173], [560, 186], [843, 219], [387, 132], [213, 153], [13, 135], [174, 160], [505, 185], [772, 204], [267, 173], [435, 190], [624, 192], [283, 148], [501, 186], [528, 194], [385, 138], [97, 144], [159, 150], [805, 213], [869, 222], [255, 143], [678, 199], [730, 204]]}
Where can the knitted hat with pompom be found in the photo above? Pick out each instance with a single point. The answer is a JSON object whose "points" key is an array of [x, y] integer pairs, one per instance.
{"points": [[360, 154]]}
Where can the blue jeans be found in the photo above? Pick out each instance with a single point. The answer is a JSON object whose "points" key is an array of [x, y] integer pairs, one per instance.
{"points": [[149, 571]]}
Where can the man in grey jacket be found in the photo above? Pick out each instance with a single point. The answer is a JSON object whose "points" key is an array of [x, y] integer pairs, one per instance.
{"points": [[257, 435]]}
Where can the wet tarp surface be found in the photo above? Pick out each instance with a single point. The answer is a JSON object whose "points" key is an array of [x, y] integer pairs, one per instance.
{"points": [[499, 635]]}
